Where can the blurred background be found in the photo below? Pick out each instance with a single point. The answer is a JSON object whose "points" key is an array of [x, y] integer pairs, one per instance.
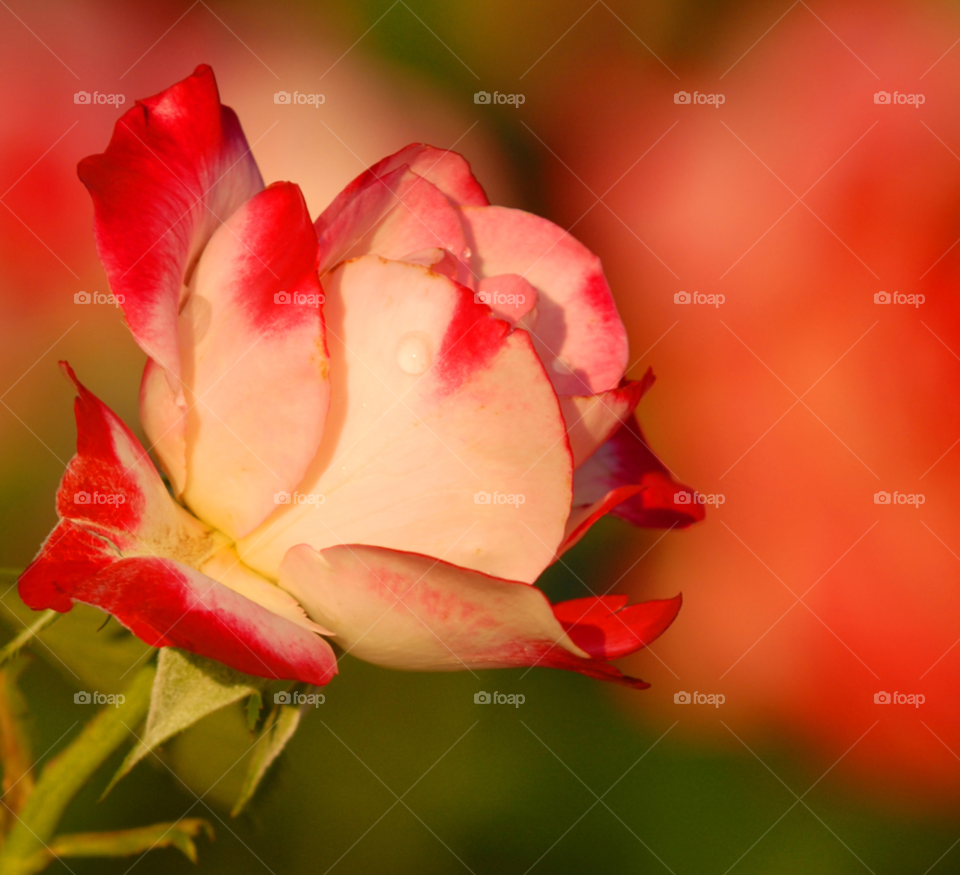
{"points": [[799, 199]]}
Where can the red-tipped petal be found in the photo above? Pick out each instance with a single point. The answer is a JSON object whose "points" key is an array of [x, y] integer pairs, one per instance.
{"points": [[257, 377], [448, 171], [607, 628], [177, 166], [124, 556], [111, 484], [625, 460], [168, 604], [70, 552], [391, 216], [592, 419], [579, 335], [414, 612], [582, 518]]}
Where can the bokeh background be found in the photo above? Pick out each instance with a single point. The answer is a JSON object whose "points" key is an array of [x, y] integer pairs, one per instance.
{"points": [[797, 399]]}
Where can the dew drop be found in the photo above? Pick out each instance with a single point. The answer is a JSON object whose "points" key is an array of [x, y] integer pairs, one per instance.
{"points": [[413, 354], [561, 366]]}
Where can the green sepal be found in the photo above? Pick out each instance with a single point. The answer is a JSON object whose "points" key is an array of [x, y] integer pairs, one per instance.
{"points": [[186, 689], [278, 729]]}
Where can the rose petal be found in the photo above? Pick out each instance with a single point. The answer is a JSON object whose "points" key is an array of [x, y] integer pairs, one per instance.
{"points": [[511, 297], [176, 167], [434, 403], [164, 421], [255, 364], [390, 216], [226, 567], [592, 419], [446, 170], [112, 486], [606, 628], [583, 517], [169, 604], [407, 611], [579, 334], [624, 460], [123, 556]]}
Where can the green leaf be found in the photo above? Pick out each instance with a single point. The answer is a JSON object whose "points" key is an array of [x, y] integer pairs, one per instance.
{"points": [[126, 842], [277, 731], [186, 689], [64, 776]]}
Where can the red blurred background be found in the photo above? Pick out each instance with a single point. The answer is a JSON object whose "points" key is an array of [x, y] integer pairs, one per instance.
{"points": [[798, 397]]}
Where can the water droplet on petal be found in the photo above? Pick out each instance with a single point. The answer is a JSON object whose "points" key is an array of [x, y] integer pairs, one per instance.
{"points": [[561, 367], [414, 354], [466, 252]]}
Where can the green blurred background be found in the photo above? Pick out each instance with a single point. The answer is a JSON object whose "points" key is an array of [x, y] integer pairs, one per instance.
{"points": [[580, 778]]}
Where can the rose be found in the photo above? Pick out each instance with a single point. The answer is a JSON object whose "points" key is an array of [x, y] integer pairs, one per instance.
{"points": [[395, 401]]}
